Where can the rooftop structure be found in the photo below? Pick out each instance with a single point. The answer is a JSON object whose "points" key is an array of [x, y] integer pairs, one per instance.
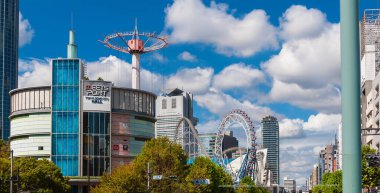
{"points": [[135, 46]]}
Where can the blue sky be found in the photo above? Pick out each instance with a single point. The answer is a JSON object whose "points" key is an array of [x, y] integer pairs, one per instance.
{"points": [[273, 57]]}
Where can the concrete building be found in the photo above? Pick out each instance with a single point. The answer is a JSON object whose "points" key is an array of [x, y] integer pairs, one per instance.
{"points": [[170, 108], [289, 185], [270, 130], [8, 60], [314, 179], [370, 66], [85, 127]]}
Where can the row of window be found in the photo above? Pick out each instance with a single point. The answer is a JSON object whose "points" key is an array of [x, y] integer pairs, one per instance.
{"points": [[164, 103], [31, 99]]}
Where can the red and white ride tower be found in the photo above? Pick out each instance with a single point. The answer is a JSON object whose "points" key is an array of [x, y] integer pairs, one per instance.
{"points": [[135, 43]]}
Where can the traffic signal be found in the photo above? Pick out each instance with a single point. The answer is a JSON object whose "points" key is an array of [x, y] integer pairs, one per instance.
{"points": [[373, 160]]}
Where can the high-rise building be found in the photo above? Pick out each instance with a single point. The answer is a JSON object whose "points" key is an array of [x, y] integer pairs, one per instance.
{"points": [[370, 78], [270, 130], [9, 13], [171, 107], [85, 127]]}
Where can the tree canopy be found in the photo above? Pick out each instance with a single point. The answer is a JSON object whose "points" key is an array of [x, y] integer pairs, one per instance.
{"points": [[370, 175], [169, 160]]}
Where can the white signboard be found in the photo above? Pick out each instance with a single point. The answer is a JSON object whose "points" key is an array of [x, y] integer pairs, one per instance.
{"points": [[157, 177], [201, 181], [96, 95]]}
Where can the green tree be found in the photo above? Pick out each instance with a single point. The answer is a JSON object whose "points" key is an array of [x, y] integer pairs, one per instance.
{"points": [[35, 176], [204, 168], [248, 186], [41, 176], [331, 183], [165, 158], [370, 175]]}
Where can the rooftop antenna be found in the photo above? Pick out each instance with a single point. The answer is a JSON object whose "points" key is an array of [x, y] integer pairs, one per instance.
{"points": [[72, 21]]}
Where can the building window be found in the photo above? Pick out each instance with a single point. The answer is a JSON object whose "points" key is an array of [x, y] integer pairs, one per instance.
{"points": [[163, 103], [40, 147], [174, 103]]}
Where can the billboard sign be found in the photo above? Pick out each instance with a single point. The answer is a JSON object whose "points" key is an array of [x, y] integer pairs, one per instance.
{"points": [[96, 95]]}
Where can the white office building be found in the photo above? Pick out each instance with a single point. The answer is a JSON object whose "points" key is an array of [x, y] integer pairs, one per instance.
{"points": [[170, 108], [289, 185]]}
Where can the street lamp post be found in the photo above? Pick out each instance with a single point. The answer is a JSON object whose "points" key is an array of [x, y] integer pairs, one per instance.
{"points": [[350, 68], [11, 181]]}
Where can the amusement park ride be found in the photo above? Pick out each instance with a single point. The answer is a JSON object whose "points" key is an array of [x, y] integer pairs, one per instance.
{"points": [[137, 43]]}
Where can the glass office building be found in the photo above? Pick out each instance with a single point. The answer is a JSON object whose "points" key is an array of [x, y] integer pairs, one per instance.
{"points": [[9, 13], [65, 114], [271, 138]]}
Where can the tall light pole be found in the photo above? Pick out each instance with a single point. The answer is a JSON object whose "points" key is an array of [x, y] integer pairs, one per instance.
{"points": [[350, 67], [11, 181]]}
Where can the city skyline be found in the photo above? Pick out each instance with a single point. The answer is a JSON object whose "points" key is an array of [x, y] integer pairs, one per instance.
{"points": [[266, 90]]}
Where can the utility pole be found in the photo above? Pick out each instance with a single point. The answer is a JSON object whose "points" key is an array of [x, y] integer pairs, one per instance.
{"points": [[11, 181], [350, 68], [148, 178]]}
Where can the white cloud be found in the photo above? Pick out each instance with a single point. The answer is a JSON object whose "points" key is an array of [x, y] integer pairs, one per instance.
{"points": [[35, 73], [299, 22], [190, 21], [26, 32], [196, 80], [325, 99], [187, 56], [291, 128], [310, 63], [220, 103], [119, 72], [323, 123], [238, 76]]}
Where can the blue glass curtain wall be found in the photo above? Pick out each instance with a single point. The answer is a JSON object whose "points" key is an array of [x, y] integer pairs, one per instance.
{"points": [[65, 115]]}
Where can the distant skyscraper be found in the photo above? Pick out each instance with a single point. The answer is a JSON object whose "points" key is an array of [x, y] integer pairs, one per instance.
{"points": [[271, 142], [9, 11], [170, 108]]}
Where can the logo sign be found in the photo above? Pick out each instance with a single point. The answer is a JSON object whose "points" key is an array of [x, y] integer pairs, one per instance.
{"points": [[201, 181], [96, 95], [157, 177], [115, 147]]}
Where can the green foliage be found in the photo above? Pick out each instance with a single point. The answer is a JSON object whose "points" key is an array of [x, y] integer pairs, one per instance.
{"points": [[331, 183], [370, 175], [248, 186], [4, 149], [165, 158], [204, 168], [40, 176]]}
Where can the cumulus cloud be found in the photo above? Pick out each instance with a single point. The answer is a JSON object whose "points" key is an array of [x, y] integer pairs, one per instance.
{"points": [[220, 103], [291, 128], [325, 99], [34, 73], [26, 32], [306, 71], [299, 22], [187, 56], [238, 76], [196, 80], [298, 58], [191, 21], [119, 72]]}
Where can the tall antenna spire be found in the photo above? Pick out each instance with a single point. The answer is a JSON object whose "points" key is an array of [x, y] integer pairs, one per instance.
{"points": [[136, 32], [72, 21], [72, 47]]}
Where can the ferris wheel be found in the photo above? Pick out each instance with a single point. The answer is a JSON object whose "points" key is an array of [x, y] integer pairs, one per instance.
{"points": [[247, 168]]}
